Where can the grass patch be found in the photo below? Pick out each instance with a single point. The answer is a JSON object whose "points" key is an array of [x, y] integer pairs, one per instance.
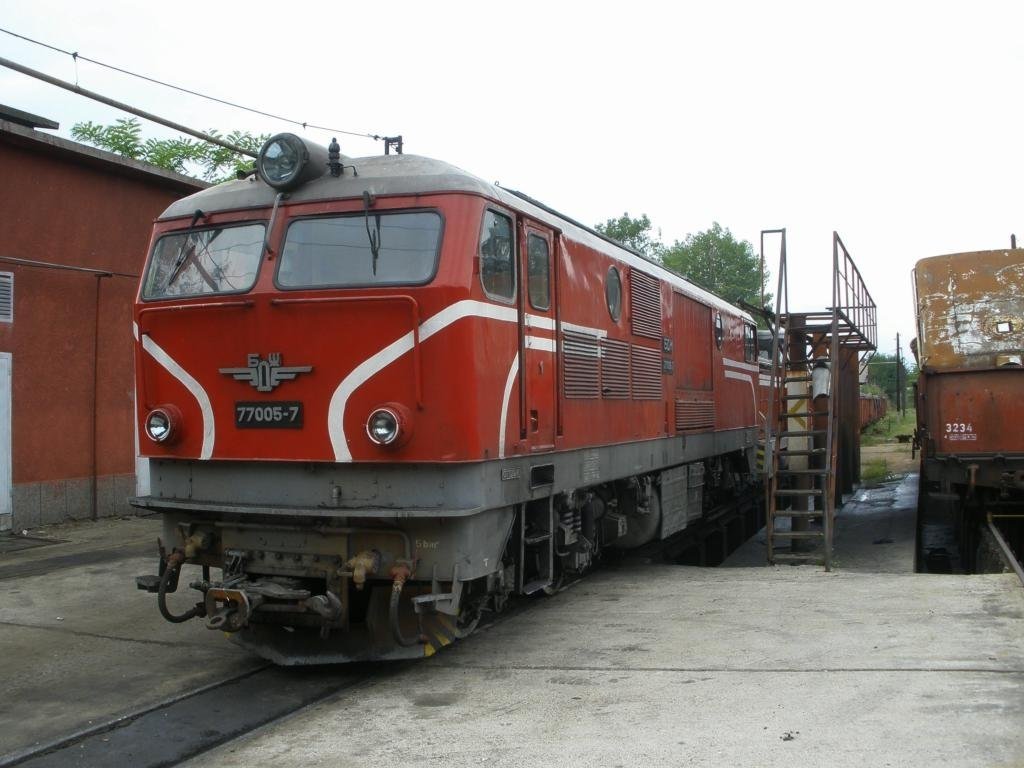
{"points": [[886, 430], [874, 471]]}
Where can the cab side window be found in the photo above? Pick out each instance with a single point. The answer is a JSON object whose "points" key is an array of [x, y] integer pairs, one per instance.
{"points": [[749, 343], [497, 253], [538, 272]]}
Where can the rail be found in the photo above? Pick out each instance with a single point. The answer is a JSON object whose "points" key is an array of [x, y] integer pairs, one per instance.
{"points": [[1007, 552]]}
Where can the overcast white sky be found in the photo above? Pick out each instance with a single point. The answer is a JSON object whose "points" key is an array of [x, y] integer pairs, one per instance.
{"points": [[897, 124]]}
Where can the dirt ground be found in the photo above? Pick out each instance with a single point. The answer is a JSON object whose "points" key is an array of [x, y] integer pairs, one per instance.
{"points": [[896, 457]]}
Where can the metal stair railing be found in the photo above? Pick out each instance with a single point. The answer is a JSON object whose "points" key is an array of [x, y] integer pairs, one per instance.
{"points": [[850, 323]]}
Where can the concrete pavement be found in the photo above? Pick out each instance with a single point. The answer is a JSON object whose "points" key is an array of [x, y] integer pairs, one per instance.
{"points": [[80, 645], [871, 664], [644, 665], [669, 666]]}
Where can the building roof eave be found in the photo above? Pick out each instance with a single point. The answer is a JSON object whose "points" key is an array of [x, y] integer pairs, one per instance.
{"points": [[28, 138]]}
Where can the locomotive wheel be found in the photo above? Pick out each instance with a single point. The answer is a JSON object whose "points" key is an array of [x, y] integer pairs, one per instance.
{"points": [[467, 620], [556, 583]]}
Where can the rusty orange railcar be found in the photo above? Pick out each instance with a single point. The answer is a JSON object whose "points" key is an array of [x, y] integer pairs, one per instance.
{"points": [[970, 399], [873, 408]]}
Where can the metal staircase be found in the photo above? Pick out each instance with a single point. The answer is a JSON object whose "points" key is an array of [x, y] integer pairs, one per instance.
{"points": [[814, 374]]}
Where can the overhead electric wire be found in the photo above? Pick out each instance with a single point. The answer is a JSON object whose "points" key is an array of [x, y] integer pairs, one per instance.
{"points": [[75, 55], [75, 88]]}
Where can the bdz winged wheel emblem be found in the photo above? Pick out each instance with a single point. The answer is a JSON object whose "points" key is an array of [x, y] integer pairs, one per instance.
{"points": [[264, 375]]}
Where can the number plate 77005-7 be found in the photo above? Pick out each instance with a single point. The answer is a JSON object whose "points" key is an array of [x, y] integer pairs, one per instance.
{"points": [[264, 415]]}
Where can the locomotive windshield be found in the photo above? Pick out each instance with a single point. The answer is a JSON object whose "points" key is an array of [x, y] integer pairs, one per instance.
{"points": [[360, 250], [203, 261]]}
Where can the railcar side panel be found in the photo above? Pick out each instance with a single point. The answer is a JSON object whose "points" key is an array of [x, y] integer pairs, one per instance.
{"points": [[973, 412]]}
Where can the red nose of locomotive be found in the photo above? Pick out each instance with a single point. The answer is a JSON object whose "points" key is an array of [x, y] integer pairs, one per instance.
{"points": [[290, 332], [256, 378]]}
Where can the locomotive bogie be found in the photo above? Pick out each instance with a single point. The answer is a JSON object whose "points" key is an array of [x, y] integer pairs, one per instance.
{"points": [[335, 577]]}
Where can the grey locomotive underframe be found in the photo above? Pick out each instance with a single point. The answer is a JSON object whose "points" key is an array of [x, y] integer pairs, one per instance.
{"points": [[449, 524], [451, 507], [369, 490]]}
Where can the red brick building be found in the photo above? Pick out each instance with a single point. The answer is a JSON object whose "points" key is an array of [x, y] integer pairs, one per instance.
{"points": [[76, 225]]}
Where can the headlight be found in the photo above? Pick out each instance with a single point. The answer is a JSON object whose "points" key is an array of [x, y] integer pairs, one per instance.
{"points": [[383, 427], [287, 160], [162, 424]]}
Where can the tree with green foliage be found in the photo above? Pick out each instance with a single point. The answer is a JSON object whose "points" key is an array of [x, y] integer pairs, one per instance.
{"points": [[882, 374], [635, 234], [713, 259], [716, 261], [181, 155]]}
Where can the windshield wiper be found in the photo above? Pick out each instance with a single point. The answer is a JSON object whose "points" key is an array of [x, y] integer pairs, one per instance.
{"points": [[374, 237], [183, 254]]}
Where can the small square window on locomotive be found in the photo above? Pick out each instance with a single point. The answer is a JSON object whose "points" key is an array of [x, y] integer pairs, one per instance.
{"points": [[1004, 326]]}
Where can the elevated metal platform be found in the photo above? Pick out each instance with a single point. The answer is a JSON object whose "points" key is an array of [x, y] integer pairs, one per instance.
{"points": [[812, 426]]}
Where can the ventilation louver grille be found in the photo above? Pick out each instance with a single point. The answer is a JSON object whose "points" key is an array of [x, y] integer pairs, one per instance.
{"points": [[695, 414], [646, 373], [6, 297], [580, 352], [645, 305], [614, 369]]}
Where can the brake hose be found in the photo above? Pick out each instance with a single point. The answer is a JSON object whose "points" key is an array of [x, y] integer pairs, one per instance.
{"points": [[161, 596]]}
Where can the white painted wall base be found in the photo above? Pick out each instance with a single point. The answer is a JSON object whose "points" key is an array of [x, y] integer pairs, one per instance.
{"points": [[6, 445], [141, 464]]}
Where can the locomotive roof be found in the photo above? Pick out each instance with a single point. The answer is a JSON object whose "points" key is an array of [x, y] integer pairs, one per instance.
{"points": [[413, 174]]}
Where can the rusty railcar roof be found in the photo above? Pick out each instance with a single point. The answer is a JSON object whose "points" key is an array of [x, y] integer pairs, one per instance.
{"points": [[970, 308]]}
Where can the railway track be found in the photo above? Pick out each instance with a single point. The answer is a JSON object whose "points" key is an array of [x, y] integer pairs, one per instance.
{"points": [[187, 725], [1009, 557]]}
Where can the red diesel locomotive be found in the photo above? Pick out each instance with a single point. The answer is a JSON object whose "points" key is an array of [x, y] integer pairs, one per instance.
{"points": [[381, 395]]}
